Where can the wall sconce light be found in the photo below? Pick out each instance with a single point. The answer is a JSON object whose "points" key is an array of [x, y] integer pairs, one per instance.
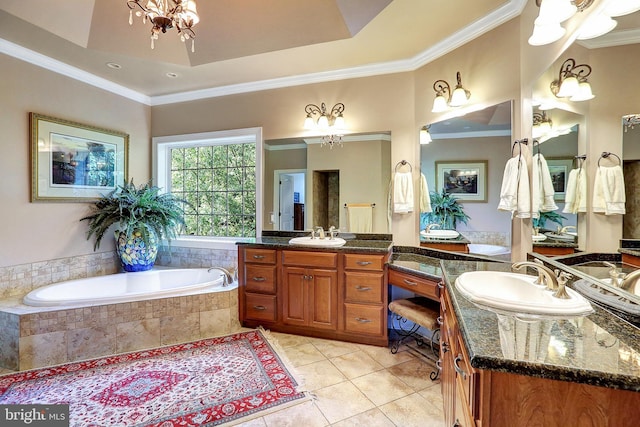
{"points": [[445, 98], [547, 28], [572, 82], [329, 122], [425, 136], [541, 124], [630, 121]]}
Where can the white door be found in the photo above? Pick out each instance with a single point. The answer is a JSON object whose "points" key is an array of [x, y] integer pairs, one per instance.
{"points": [[286, 202]]}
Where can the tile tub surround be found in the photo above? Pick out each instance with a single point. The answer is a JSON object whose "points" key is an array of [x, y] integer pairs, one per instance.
{"points": [[34, 337], [38, 336]]}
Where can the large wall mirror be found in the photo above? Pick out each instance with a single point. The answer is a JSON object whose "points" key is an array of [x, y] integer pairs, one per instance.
{"points": [[479, 141], [631, 168], [308, 184], [557, 142]]}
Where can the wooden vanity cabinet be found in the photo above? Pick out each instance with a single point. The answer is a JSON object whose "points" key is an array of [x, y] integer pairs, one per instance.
{"points": [[365, 295], [483, 398], [458, 377], [259, 276], [333, 295], [310, 289]]}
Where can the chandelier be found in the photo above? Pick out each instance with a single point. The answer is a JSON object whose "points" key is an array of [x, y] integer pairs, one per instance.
{"points": [[330, 122], [165, 14]]}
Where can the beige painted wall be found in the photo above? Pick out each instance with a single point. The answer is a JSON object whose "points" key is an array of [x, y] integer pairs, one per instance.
{"points": [[43, 231], [496, 67]]}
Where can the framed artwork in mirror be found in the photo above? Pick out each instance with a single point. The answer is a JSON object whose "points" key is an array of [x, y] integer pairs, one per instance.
{"points": [[559, 170], [73, 162], [465, 180]]}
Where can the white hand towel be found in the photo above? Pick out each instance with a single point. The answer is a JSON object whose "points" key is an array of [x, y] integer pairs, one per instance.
{"points": [[515, 196], [403, 192], [542, 187], [425, 200], [360, 219], [571, 192], [608, 191], [576, 192]]}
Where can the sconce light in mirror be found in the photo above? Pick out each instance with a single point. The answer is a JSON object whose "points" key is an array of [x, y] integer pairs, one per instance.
{"points": [[425, 136], [331, 123], [630, 121], [572, 82], [445, 98], [541, 124]]}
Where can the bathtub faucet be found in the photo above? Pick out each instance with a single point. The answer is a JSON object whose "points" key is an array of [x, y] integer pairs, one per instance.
{"points": [[227, 277]]}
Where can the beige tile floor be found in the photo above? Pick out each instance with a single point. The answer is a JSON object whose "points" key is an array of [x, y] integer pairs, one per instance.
{"points": [[357, 385]]}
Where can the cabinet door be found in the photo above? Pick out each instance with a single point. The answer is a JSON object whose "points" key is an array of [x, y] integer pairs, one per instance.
{"points": [[323, 299], [294, 296]]}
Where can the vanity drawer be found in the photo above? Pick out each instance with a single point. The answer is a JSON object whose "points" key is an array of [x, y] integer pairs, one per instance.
{"points": [[260, 256], [364, 319], [310, 259], [364, 262], [260, 278], [419, 285], [364, 287], [260, 307]]}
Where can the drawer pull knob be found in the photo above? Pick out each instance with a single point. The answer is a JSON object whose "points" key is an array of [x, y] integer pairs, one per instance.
{"points": [[410, 282], [439, 320], [445, 347], [363, 288], [441, 285], [258, 256], [364, 262], [439, 365], [306, 277], [457, 367], [361, 320], [457, 424], [259, 279], [259, 307]]}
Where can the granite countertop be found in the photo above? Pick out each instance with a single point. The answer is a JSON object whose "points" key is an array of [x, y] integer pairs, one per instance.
{"points": [[551, 243], [599, 349], [358, 243]]}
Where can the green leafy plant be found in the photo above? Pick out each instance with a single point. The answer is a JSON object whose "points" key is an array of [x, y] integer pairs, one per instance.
{"points": [[445, 210], [132, 208], [547, 216]]}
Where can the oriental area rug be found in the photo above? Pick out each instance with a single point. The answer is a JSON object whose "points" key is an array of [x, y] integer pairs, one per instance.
{"points": [[210, 382]]}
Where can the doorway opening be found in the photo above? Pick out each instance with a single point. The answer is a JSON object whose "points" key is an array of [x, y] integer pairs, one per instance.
{"points": [[289, 199]]}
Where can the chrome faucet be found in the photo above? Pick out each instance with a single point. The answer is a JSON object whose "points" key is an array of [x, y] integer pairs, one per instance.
{"points": [[332, 232], [630, 281], [430, 226], [320, 231], [614, 274], [563, 230], [547, 277], [227, 277]]}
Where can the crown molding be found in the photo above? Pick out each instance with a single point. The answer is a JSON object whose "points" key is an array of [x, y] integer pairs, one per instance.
{"points": [[509, 10], [40, 60], [615, 38]]}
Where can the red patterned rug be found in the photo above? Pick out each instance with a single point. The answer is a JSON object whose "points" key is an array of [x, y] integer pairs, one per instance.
{"points": [[207, 382]]}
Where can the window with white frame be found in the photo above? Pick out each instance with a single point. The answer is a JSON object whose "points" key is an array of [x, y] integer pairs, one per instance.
{"points": [[218, 174]]}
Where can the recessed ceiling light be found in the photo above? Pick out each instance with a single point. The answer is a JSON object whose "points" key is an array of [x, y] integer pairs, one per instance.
{"points": [[114, 65], [172, 75]]}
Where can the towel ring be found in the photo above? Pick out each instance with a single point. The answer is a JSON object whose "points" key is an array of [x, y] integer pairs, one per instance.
{"points": [[579, 160], [403, 163], [606, 155], [524, 141]]}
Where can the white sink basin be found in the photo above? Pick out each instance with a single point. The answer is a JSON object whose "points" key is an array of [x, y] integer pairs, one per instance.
{"points": [[516, 293], [336, 242], [608, 282], [538, 237], [440, 234], [564, 236]]}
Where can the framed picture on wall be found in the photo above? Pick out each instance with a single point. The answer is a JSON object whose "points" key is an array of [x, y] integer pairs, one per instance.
{"points": [[465, 180], [559, 170], [73, 162]]}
